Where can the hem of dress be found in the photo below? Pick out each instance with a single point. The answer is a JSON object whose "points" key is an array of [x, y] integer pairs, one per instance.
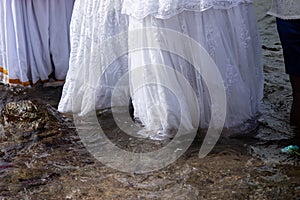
{"points": [[244, 128], [283, 17], [5, 79], [159, 16]]}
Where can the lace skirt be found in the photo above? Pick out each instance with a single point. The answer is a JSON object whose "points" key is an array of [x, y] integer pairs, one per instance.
{"points": [[229, 36], [94, 22]]}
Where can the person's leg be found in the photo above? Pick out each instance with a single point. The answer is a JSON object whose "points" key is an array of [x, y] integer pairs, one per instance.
{"points": [[289, 33], [295, 111]]}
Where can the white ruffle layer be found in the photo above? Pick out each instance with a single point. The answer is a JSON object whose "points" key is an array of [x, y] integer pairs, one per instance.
{"points": [[164, 9], [285, 9]]}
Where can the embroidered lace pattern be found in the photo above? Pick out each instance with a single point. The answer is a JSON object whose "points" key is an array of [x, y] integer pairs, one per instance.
{"points": [[167, 8], [285, 9]]}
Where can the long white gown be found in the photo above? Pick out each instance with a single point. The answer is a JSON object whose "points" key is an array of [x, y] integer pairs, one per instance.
{"points": [[226, 29], [48, 37], [93, 22], [34, 41], [13, 49]]}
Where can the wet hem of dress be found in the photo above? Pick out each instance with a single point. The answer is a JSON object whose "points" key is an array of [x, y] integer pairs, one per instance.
{"points": [[242, 129]]}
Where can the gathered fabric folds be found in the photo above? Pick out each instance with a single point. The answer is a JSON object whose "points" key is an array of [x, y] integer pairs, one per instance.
{"points": [[34, 40], [48, 37], [103, 51], [93, 24], [14, 53], [232, 42]]}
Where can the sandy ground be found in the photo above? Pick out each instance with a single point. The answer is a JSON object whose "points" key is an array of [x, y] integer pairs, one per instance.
{"points": [[51, 162]]}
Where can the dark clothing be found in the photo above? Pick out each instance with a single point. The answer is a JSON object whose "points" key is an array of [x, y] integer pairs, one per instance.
{"points": [[289, 33]]}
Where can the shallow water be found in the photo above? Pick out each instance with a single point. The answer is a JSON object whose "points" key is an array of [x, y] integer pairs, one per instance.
{"points": [[52, 163]]}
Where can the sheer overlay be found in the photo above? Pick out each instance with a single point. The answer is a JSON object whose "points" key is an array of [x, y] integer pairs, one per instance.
{"points": [[99, 58]]}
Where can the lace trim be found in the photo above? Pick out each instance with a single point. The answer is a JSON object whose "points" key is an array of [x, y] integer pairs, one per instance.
{"points": [[284, 16], [164, 9], [285, 9]]}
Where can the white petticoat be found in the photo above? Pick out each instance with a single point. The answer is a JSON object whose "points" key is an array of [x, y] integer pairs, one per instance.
{"points": [[229, 35]]}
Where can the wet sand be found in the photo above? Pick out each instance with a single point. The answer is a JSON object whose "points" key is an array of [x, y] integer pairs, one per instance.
{"points": [[48, 161]]}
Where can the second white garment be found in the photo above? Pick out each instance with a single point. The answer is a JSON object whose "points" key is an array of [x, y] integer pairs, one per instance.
{"points": [[231, 38], [34, 42], [98, 52], [48, 37]]}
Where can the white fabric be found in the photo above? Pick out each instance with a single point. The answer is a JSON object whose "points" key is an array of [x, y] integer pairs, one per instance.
{"points": [[13, 49], [230, 36], [167, 8], [92, 23], [34, 39], [48, 36], [285, 9]]}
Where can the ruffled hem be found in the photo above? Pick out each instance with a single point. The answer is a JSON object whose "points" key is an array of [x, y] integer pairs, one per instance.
{"points": [[166, 10], [285, 17]]}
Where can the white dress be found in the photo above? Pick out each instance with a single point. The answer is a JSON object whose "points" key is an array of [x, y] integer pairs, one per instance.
{"points": [[226, 29], [48, 37], [13, 50], [34, 41], [93, 22]]}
